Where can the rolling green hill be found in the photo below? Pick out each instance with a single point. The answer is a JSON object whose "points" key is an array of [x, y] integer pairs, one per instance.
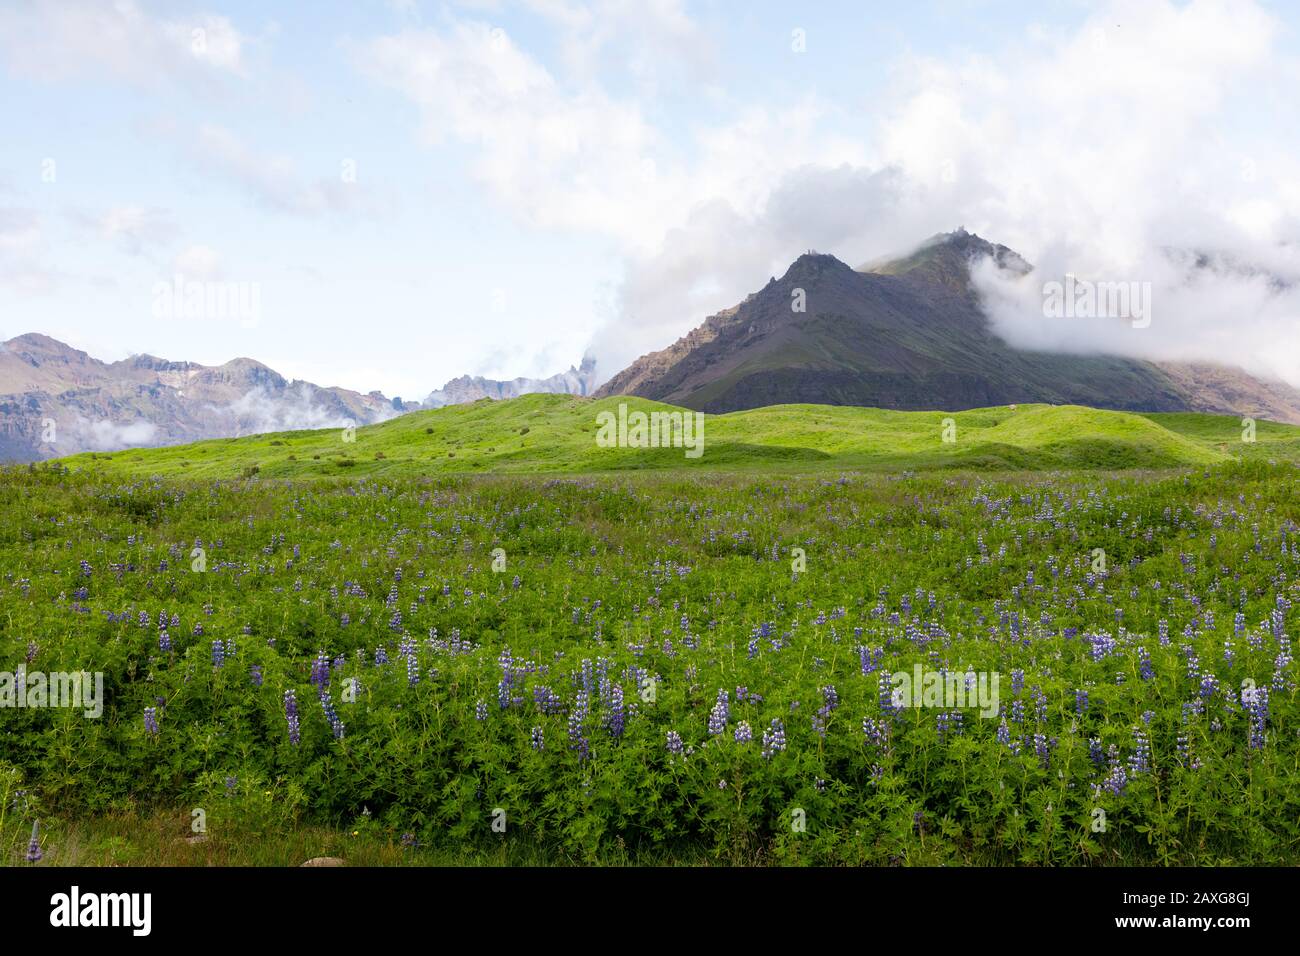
{"points": [[557, 434]]}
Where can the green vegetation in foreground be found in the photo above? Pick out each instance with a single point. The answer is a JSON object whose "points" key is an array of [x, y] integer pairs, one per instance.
{"points": [[557, 434], [1124, 614]]}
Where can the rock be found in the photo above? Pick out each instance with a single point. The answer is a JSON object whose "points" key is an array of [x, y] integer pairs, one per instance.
{"points": [[324, 861]]}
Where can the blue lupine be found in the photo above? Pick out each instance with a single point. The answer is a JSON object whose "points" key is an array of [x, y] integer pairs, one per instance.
{"points": [[614, 715], [674, 742], [1144, 660], [151, 720], [577, 717], [34, 853], [291, 715], [774, 738], [331, 716], [743, 734], [255, 674], [537, 739], [320, 670]]}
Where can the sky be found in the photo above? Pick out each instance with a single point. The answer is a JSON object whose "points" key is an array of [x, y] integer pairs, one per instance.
{"points": [[405, 191]]}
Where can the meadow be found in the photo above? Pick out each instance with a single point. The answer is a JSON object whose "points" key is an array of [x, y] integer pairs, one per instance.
{"points": [[685, 665]]}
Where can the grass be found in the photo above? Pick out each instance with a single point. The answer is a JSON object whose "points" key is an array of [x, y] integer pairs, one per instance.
{"points": [[557, 434]]}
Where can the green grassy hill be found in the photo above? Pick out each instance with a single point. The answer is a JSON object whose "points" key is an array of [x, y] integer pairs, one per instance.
{"points": [[557, 434]]}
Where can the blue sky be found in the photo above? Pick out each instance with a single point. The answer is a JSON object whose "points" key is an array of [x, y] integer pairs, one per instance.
{"points": [[535, 180]]}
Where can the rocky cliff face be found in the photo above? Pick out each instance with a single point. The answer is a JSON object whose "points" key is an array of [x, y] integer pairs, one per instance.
{"points": [[576, 381], [56, 400], [910, 334]]}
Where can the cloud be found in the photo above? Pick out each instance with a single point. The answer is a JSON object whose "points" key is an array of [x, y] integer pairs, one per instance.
{"points": [[198, 262], [134, 229], [22, 243], [56, 40], [258, 411], [1123, 152], [104, 435], [1136, 147], [273, 181], [562, 153]]}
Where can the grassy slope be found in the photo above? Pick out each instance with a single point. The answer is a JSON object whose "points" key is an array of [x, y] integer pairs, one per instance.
{"points": [[490, 437]]}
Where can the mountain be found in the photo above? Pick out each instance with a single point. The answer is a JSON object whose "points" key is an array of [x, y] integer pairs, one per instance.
{"points": [[910, 334], [459, 391], [144, 400]]}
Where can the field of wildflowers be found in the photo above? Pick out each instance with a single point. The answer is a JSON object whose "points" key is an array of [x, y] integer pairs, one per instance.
{"points": [[695, 665]]}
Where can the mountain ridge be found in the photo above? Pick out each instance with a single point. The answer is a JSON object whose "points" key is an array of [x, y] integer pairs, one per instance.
{"points": [[910, 333]]}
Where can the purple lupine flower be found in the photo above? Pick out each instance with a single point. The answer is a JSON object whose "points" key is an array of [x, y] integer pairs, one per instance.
{"points": [[614, 715], [1140, 762], [718, 718], [774, 738], [885, 696], [1257, 706], [164, 641], [743, 734], [255, 675], [1081, 702], [291, 715], [876, 732], [1147, 672], [331, 716], [538, 741], [1095, 752], [1116, 781], [674, 742], [577, 717], [480, 710], [32, 650], [151, 720], [34, 853], [218, 653], [320, 671]]}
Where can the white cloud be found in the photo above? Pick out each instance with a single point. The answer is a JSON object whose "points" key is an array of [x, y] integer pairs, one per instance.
{"points": [[133, 228], [273, 181], [1116, 153], [565, 154], [105, 435], [54, 40], [198, 262]]}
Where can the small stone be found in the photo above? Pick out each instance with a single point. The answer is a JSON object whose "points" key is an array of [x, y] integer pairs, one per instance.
{"points": [[197, 838], [324, 861]]}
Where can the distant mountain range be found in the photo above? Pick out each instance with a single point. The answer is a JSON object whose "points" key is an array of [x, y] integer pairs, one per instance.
{"points": [[149, 401], [906, 334], [576, 381], [910, 334], [56, 400]]}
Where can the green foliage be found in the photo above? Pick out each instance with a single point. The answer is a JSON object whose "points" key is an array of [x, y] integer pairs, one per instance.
{"points": [[683, 584]]}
